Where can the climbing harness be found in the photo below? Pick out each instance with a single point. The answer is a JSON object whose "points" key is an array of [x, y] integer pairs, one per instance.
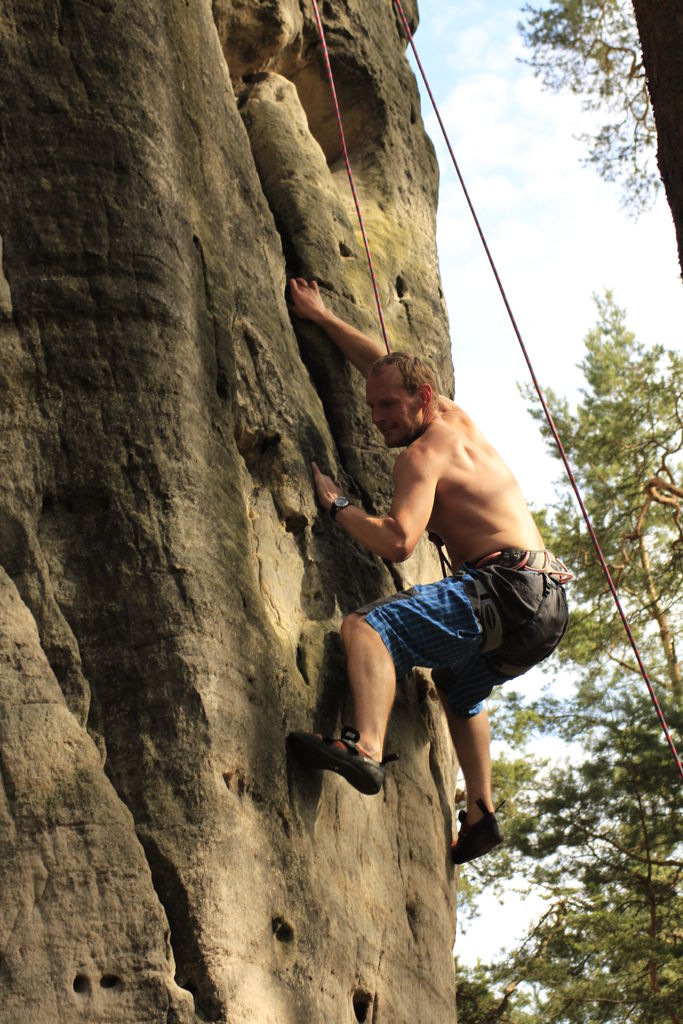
{"points": [[439, 545], [539, 391], [519, 600], [532, 561], [519, 626]]}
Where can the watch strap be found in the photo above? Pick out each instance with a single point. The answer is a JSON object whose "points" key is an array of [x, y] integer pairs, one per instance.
{"points": [[338, 504]]}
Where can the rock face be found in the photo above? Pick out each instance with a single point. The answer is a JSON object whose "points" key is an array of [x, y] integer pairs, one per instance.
{"points": [[170, 596]]}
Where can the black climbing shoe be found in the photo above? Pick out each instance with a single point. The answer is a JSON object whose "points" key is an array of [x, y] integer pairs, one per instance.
{"points": [[475, 840], [343, 756]]}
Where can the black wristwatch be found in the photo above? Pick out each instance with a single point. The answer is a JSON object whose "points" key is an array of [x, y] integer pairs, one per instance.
{"points": [[338, 504]]}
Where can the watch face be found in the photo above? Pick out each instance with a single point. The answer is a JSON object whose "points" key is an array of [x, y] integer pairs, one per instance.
{"points": [[337, 504]]}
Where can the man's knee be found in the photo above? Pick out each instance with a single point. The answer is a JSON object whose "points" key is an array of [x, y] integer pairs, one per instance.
{"points": [[349, 627]]}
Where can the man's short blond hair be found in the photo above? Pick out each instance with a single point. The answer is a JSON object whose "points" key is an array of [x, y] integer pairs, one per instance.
{"points": [[414, 373]]}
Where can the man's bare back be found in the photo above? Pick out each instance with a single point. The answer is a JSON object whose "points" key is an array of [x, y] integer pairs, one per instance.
{"points": [[449, 480], [478, 506]]}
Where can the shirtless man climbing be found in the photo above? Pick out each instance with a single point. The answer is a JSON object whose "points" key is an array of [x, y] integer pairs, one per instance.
{"points": [[503, 610]]}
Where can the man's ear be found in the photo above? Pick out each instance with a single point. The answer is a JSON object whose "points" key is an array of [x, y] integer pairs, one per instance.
{"points": [[425, 394]]}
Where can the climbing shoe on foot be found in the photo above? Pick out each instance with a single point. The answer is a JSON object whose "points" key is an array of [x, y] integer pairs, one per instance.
{"points": [[475, 840], [343, 756]]}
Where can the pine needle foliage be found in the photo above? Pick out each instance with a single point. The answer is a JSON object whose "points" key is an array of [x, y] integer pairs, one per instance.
{"points": [[625, 441], [591, 48], [598, 831]]}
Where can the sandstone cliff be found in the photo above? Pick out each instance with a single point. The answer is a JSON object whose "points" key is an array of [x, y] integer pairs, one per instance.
{"points": [[170, 596]]}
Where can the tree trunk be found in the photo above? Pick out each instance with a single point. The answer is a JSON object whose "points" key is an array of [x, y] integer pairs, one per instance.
{"points": [[665, 635], [660, 25]]}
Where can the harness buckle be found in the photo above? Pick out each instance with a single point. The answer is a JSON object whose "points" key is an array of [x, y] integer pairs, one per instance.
{"points": [[548, 563], [487, 613]]}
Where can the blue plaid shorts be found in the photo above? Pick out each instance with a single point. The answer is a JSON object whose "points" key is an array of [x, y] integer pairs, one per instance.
{"points": [[434, 626]]}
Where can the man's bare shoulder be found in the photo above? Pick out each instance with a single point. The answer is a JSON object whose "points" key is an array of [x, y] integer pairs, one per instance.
{"points": [[456, 418], [417, 459]]}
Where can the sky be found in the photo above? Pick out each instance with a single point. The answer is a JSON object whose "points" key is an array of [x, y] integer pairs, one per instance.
{"points": [[558, 235], [556, 230]]}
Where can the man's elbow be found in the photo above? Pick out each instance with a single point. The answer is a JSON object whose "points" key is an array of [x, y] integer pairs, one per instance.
{"points": [[399, 544], [402, 549]]}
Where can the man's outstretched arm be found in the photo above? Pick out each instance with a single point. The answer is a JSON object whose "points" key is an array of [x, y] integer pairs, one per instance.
{"points": [[395, 535], [306, 303]]}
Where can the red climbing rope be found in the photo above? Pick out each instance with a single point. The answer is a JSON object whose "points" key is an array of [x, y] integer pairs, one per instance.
{"points": [[349, 172], [546, 410]]}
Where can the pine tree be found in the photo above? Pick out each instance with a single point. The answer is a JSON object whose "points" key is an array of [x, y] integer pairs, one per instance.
{"points": [[599, 833], [591, 48]]}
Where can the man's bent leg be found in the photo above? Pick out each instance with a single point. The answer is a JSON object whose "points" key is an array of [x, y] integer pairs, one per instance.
{"points": [[472, 741], [372, 681]]}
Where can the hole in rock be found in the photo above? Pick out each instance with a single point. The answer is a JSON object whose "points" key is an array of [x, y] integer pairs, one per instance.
{"points": [[301, 662], [363, 109], [207, 1006], [222, 389], [411, 914], [296, 523], [361, 1006], [270, 439], [109, 981], [282, 930], [344, 249], [422, 689], [81, 984], [401, 287]]}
